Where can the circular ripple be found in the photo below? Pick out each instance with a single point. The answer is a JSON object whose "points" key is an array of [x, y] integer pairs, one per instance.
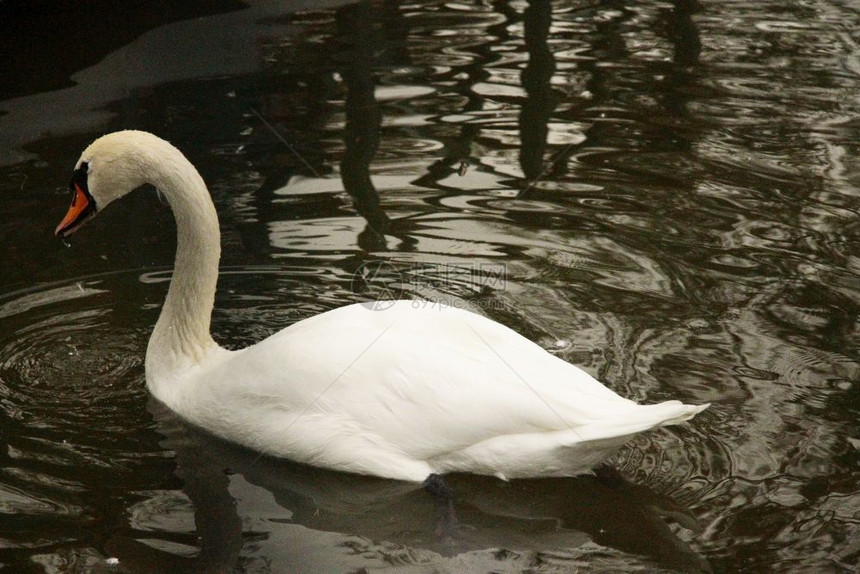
{"points": [[68, 366]]}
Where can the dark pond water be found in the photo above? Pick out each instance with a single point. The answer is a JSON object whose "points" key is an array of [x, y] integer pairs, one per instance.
{"points": [[664, 193]]}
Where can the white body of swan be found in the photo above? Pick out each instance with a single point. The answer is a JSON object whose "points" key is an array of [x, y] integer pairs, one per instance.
{"points": [[400, 391]]}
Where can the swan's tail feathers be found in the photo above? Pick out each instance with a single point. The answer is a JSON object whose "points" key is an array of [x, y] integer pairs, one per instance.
{"points": [[641, 418], [672, 412]]}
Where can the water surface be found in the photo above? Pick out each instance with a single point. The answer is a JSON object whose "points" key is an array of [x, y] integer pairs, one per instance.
{"points": [[663, 193]]}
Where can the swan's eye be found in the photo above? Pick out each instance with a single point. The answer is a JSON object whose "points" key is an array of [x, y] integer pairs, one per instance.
{"points": [[79, 177]]}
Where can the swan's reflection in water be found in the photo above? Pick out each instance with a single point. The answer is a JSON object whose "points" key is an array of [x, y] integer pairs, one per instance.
{"points": [[249, 508]]}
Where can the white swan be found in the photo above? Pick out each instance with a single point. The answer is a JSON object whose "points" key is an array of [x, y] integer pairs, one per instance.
{"points": [[404, 393]]}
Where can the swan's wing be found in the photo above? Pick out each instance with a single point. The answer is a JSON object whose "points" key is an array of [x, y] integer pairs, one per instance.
{"points": [[427, 379]]}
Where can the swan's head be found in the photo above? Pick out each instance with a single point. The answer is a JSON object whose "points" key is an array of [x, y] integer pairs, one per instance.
{"points": [[109, 168]]}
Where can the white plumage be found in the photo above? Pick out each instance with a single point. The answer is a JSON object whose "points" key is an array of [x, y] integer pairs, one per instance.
{"points": [[399, 391]]}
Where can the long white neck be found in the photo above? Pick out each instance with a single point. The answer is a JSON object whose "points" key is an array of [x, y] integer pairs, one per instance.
{"points": [[181, 337]]}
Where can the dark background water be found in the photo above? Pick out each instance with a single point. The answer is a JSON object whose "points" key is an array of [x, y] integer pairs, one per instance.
{"points": [[670, 190]]}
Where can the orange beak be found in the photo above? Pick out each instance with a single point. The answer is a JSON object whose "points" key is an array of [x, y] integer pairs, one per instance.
{"points": [[81, 209]]}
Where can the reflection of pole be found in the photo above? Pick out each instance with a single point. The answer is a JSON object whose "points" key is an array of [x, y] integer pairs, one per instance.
{"points": [[539, 104], [682, 32], [361, 134]]}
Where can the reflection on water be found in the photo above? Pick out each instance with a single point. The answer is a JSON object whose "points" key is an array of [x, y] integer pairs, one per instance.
{"points": [[669, 190], [377, 522]]}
